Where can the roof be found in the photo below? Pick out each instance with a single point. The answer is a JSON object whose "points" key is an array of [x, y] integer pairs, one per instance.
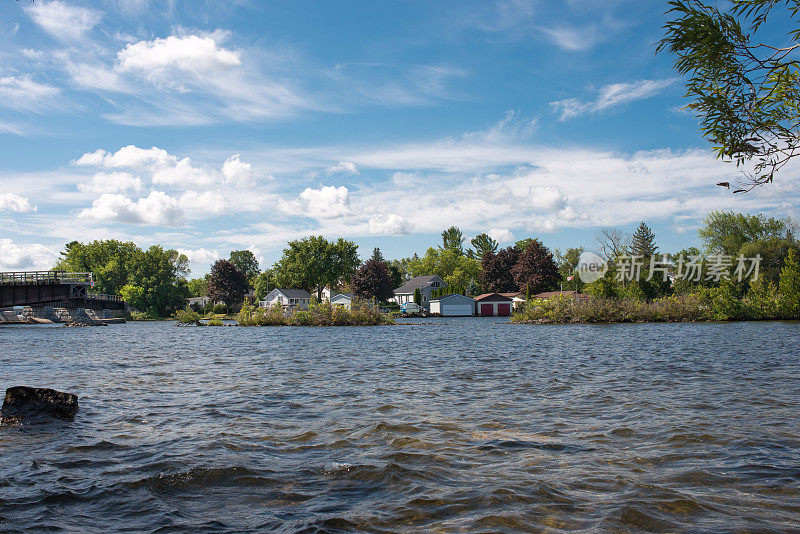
{"points": [[451, 295], [416, 283], [513, 295], [345, 295], [293, 293], [492, 296]]}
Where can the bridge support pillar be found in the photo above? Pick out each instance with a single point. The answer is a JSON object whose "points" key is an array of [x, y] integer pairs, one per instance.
{"points": [[65, 315]]}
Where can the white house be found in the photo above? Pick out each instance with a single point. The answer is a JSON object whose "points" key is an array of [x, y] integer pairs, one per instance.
{"points": [[198, 301], [342, 299], [288, 298], [426, 284], [453, 306]]}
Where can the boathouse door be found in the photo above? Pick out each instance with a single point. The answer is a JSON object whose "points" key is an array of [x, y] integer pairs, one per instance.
{"points": [[487, 309], [504, 309]]}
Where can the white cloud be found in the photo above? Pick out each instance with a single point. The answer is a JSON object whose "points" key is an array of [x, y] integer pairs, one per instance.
{"points": [[200, 255], [22, 93], [160, 60], [391, 224], [347, 167], [546, 198], [111, 182], [16, 203], [14, 257], [326, 202], [237, 172], [197, 205], [501, 235], [571, 38], [63, 21], [157, 209], [611, 96], [182, 174]]}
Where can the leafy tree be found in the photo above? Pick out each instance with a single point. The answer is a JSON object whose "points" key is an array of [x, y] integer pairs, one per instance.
{"points": [[643, 241], [246, 261], [372, 280], [536, 270], [152, 281], [568, 265], [482, 244], [724, 232], [453, 240], [314, 262], [454, 268], [402, 267], [773, 253], [395, 274], [227, 283], [264, 284], [744, 91], [197, 287], [495, 275], [789, 287]]}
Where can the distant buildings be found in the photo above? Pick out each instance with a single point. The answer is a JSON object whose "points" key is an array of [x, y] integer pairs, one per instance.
{"points": [[287, 298], [426, 284], [453, 306]]}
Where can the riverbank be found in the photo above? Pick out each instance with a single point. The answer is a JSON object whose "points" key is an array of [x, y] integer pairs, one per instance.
{"points": [[697, 307]]}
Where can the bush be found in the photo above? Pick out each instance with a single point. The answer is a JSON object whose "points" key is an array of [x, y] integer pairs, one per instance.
{"points": [[317, 314], [214, 322], [187, 317]]}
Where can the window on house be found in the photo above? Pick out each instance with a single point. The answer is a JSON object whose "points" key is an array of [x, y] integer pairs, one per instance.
{"points": [[435, 284]]}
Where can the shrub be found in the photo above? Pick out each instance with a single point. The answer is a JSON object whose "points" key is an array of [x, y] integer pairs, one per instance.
{"points": [[220, 309], [214, 322], [187, 317], [317, 314]]}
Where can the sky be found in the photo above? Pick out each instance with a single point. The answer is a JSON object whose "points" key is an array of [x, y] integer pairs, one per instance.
{"points": [[211, 126]]}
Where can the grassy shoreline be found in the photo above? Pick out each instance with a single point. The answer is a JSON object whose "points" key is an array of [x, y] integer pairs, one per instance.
{"points": [[690, 308], [361, 314]]}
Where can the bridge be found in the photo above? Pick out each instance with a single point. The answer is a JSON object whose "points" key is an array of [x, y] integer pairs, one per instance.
{"points": [[54, 288]]}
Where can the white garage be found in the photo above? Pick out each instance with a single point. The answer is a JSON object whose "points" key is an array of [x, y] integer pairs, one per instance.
{"points": [[453, 306]]}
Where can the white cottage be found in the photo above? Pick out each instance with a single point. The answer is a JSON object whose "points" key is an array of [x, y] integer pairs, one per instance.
{"points": [[287, 298], [453, 306], [426, 284], [344, 300]]}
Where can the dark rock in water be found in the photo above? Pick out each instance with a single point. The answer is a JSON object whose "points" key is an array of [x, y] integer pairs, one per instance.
{"points": [[23, 402]]}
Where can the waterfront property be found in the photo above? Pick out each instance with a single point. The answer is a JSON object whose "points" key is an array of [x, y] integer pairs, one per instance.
{"points": [[493, 304], [200, 302], [517, 300], [287, 298], [454, 305], [344, 300], [426, 284]]}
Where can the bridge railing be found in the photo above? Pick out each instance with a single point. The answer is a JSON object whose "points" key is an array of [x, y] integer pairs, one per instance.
{"points": [[45, 277], [103, 296]]}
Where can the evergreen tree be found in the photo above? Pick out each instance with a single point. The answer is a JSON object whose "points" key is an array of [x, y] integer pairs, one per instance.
{"points": [[377, 255], [453, 240], [643, 241], [482, 244], [417, 297]]}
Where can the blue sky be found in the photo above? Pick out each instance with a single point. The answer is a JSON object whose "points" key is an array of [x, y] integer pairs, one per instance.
{"points": [[212, 126]]}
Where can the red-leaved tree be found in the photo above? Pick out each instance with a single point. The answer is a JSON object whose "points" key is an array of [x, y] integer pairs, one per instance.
{"points": [[372, 279], [227, 283], [495, 276], [536, 270]]}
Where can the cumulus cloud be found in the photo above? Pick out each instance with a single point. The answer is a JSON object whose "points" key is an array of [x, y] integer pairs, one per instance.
{"points": [[157, 208], [65, 22], [197, 204], [14, 257], [546, 198], [347, 167], [610, 96], [23, 93], [16, 203], [501, 235], [200, 255], [167, 169], [236, 172], [111, 182], [324, 203], [390, 224]]}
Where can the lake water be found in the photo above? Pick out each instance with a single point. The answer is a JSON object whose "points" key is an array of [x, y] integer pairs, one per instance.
{"points": [[454, 425]]}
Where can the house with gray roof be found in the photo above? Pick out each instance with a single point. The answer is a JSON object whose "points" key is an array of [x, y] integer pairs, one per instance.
{"points": [[287, 298], [426, 284]]}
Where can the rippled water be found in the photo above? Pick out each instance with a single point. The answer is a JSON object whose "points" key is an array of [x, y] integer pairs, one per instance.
{"points": [[459, 425]]}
